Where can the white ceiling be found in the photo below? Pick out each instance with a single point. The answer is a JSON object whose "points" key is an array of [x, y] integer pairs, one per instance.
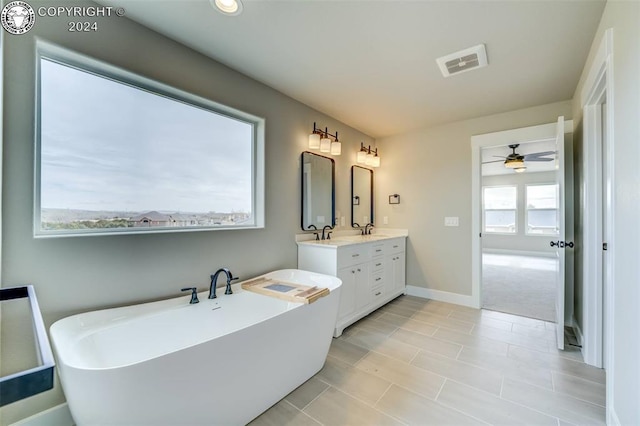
{"points": [[371, 63]]}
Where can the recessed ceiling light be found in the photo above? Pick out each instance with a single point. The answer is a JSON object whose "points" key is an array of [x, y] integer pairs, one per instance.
{"points": [[228, 7]]}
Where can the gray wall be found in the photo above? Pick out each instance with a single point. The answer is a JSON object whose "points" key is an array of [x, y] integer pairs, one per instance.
{"points": [[431, 170], [623, 379], [79, 274]]}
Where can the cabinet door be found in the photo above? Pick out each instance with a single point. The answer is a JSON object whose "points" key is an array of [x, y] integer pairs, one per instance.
{"points": [[347, 291], [363, 285], [399, 272], [394, 273]]}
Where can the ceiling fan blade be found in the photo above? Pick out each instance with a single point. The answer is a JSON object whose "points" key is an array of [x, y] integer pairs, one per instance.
{"points": [[499, 156], [538, 154], [538, 159], [494, 161]]}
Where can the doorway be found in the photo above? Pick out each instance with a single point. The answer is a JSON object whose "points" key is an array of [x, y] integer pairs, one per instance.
{"points": [[598, 250], [519, 218], [550, 132]]}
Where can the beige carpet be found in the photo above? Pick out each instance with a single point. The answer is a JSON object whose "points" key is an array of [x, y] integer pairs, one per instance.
{"points": [[520, 285]]}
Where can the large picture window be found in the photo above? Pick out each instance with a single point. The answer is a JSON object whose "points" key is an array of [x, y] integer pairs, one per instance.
{"points": [[117, 153], [542, 209], [500, 209]]}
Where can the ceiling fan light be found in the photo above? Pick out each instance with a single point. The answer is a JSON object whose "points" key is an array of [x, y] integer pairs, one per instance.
{"points": [[520, 169], [514, 164]]}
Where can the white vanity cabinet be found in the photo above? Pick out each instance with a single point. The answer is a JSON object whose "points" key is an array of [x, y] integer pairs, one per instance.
{"points": [[372, 272]]}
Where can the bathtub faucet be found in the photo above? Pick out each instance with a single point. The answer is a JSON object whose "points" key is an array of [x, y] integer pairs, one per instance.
{"points": [[214, 280]]}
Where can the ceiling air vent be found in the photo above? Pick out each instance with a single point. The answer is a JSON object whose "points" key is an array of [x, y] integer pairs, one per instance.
{"points": [[463, 61]]}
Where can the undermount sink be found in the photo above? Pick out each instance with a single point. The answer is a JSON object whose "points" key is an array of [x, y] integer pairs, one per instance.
{"points": [[362, 237]]}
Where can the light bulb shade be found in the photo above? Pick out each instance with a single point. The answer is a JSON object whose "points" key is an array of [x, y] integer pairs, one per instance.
{"points": [[361, 157], [314, 141], [336, 148], [369, 160], [514, 164], [325, 145], [376, 161], [520, 169]]}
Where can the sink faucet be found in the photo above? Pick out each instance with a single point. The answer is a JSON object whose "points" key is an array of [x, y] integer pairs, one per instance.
{"points": [[328, 233], [313, 227], [367, 229], [214, 280]]}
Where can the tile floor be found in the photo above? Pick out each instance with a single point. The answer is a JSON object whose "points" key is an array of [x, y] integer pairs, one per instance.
{"points": [[422, 362]]}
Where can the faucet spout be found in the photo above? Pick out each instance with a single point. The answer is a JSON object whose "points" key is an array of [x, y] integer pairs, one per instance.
{"points": [[214, 281], [328, 237], [367, 229]]}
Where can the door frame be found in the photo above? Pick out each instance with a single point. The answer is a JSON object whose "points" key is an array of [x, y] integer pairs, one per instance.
{"points": [[597, 88], [502, 138]]}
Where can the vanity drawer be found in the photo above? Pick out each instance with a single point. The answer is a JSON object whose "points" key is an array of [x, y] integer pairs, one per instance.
{"points": [[397, 245], [377, 265], [378, 249], [353, 255], [376, 293], [377, 281]]}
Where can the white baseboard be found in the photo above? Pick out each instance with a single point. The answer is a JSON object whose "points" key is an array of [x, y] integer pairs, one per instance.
{"points": [[576, 330], [58, 416], [441, 296], [612, 417], [519, 252]]}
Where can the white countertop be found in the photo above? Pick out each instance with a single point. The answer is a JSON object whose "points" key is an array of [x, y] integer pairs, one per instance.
{"points": [[350, 239]]}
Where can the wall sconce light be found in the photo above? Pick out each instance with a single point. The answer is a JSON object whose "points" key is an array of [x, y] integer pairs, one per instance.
{"points": [[394, 199], [321, 140], [367, 156]]}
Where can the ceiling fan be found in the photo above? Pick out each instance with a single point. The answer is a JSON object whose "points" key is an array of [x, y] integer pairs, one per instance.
{"points": [[516, 161]]}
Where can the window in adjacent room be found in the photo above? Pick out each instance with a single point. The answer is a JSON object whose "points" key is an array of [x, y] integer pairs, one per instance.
{"points": [[500, 209], [119, 153], [542, 209]]}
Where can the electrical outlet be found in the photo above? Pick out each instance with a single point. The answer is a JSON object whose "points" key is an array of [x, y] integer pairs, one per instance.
{"points": [[452, 221], [342, 221], [385, 220]]}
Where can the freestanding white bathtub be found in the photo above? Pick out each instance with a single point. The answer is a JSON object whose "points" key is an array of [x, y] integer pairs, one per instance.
{"points": [[219, 362]]}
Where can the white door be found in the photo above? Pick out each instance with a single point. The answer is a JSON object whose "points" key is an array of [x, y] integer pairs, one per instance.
{"points": [[559, 243], [606, 203]]}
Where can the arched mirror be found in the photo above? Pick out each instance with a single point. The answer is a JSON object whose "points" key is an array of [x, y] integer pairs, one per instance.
{"points": [[361, 196], [318, 191]]}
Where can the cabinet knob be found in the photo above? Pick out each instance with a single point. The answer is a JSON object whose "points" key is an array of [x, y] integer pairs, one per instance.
{"points": [[359, 270], [355, 255], [378, 293]]}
